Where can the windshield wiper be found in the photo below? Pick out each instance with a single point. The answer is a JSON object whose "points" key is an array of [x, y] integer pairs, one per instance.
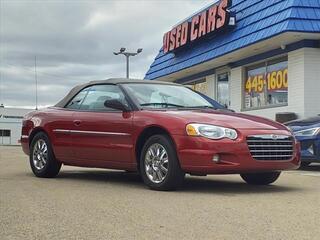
{"points": [[203, 107], [162, 104]]}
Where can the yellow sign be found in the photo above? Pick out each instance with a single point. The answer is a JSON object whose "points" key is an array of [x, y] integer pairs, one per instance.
{"points": [[273, 81]]}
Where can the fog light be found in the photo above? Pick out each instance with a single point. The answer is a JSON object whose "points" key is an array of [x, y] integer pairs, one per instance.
{"points": [[216, 158], [310, 150]]}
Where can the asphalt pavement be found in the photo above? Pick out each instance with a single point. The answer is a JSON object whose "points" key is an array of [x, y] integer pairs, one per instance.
{"points": [[84, 203]]}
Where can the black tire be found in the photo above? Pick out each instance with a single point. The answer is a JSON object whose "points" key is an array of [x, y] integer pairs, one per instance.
{"points": [[264, 178], [304, 164], [174, 176], [51, 167]]}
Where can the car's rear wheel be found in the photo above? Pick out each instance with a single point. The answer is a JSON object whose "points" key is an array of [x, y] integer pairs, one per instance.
{"points": [[42, 159], [264, 178], [159, 164]]}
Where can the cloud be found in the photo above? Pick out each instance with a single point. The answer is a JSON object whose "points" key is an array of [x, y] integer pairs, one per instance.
{"points": [[73, 42]]}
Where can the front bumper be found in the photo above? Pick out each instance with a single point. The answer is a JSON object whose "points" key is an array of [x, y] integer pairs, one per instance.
{"points": [[310, 148], [196, 155], [24, 140]]}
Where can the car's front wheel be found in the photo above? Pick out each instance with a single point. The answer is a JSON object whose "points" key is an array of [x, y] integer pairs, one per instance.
{"points": [[263, 178], [42, 159], [159, 164]]}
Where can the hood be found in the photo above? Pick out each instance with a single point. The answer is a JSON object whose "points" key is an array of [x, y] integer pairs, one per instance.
{"points": [[302, 124], [297, 128], [226, 119]]}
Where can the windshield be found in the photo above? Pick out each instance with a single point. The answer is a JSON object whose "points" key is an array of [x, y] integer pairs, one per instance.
{"points": [[165, 96]]}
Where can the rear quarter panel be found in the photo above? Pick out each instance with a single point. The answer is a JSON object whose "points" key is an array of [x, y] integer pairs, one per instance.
{"points": [[46, 120]]}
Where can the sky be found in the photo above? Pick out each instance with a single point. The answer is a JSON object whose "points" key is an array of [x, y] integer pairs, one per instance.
{"points": [[73, 42]]}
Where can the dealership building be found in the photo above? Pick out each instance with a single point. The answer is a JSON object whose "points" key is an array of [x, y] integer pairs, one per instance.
{"points": [[259, 57]]}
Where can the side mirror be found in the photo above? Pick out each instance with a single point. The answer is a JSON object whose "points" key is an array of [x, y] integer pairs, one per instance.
{"points": [[115, 104]]}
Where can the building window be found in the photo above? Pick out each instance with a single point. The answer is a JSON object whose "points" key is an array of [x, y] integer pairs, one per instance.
{"points": [[200, 86], [223, 89], [5, 133], [266, 85]]}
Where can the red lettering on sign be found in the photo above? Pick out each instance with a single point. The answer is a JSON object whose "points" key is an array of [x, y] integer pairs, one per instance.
{"points": [[208, 21], [194, 28], [166, 42], [178, 36], [222, 12], [184, 33], [212, 12], [203, 24], [172, 39]]}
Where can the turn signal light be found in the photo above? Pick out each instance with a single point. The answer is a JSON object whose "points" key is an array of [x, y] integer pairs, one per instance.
{"points": [[191, 130]]}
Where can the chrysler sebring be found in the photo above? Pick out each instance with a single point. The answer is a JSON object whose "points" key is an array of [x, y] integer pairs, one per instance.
{"points": [[162, 130]]}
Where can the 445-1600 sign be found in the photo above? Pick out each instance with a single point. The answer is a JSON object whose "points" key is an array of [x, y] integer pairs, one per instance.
{"points": [[275, 80]]}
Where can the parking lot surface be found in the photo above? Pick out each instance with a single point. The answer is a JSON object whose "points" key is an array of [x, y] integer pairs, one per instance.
{"points": [[84, 203]]}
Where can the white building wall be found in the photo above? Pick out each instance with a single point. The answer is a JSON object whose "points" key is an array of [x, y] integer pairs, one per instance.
{"points": [[9, 121], [235, 86], [211, 86], [296, 81], [303, 86], [312, 82], [15, 129]]}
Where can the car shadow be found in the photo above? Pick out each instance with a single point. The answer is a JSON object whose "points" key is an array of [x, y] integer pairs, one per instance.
{"points": [[312, 167], [191, 184], [119, 177], [209, 185]]}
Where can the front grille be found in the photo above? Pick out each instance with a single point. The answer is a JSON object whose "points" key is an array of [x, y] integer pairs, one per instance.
{"points": [[271, 147]]}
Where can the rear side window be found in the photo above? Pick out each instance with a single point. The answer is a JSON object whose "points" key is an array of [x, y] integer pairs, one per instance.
{"points": [[94, 97]]}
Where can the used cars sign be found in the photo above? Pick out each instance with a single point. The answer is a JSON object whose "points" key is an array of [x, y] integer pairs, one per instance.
{"points": [[210, 20]]}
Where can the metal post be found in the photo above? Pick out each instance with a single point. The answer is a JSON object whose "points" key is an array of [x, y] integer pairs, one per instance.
{"points": [[36, 79], [127, 56]]}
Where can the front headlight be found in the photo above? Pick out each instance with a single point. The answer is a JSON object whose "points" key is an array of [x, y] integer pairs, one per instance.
{"points": [[210, 131], [308, 132]]}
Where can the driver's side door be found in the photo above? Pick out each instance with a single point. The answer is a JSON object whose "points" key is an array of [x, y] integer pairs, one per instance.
{"points": [[103, 136]]}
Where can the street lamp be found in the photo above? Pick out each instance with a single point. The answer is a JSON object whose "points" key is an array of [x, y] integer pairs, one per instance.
{"points": [[127, 55]]}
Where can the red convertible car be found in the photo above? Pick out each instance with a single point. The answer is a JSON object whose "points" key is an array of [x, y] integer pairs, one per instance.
{"points": [[162, 130]]}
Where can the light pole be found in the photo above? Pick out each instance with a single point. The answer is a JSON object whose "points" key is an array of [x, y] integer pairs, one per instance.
{"points": [[127, 55]]}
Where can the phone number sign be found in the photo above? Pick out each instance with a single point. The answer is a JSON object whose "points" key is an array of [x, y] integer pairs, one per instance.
{"points": [[271, 81]]}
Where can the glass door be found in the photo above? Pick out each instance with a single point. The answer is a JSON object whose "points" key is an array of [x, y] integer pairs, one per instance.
{"points": [[223, 89]]}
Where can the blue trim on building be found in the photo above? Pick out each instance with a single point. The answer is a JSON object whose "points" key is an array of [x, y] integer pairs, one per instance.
{"points": [[253, 59], [275, 52], [257, 20], [195, 76]]}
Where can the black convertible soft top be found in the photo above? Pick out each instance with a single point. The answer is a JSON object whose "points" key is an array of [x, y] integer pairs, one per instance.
{"points": [[62, 103]]}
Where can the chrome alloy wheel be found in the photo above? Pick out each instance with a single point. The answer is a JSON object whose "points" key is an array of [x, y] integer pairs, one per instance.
{"points": [[40, 154], [156, 163]]}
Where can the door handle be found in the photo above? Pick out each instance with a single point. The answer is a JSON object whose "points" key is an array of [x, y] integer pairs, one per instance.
{"points": [[77, 122]]}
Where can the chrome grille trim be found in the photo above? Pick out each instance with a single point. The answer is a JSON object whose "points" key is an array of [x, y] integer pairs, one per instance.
{"points": [[271, 140], [271, 147], [270, 156], [280, 146], [272, 150]]}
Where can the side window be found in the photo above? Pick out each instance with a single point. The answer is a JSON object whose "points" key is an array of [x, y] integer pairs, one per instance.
{"points": [[75, 103], [98, 94]]}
